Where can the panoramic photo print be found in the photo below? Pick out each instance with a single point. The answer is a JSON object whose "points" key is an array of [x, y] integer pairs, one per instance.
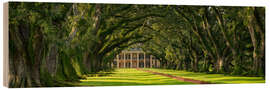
{"points": [[89, 44]]}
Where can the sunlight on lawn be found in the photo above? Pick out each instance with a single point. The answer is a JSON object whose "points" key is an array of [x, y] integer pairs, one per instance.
{"points": [[214, 78], [126, 77]]}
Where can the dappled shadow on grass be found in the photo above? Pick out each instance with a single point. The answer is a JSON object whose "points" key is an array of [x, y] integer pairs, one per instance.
{"points": [[127, 77], [103, 83], [131, 82], [240, 79], [214, 78], [99, 74], [237, 80]]}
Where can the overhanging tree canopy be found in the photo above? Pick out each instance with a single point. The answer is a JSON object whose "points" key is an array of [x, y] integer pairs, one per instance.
{"points": [[64, 42]]}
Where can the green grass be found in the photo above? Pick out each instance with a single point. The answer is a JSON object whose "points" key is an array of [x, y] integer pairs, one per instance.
{"points": [[214, 78], [128, 77], [131, 77]]}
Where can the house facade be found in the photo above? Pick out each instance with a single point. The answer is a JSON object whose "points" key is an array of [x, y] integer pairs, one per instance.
{"points": [[135, 58]]}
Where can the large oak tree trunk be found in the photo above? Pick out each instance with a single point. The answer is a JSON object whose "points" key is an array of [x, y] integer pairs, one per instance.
{"points": [[27, 64]]}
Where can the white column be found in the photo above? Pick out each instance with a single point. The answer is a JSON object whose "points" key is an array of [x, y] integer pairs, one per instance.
{"points": [[131, 57], [138, 60], [158, 64], [144, 63], [154, 63], [150, 61], [117, 58], [124, 60]]}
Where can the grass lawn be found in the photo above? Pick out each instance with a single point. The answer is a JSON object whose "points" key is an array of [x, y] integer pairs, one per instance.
{"points": [[214, 78], [128, 77]]}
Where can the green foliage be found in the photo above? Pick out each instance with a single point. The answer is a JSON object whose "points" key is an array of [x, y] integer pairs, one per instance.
{"points": [[75, 39], [209, 39], [47, 79]]}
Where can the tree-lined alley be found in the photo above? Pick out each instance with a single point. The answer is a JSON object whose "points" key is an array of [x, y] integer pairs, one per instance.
{"points": [[51, 44]]}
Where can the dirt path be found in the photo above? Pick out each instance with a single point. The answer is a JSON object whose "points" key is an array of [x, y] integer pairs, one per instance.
{"points": [[177, 77]]}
